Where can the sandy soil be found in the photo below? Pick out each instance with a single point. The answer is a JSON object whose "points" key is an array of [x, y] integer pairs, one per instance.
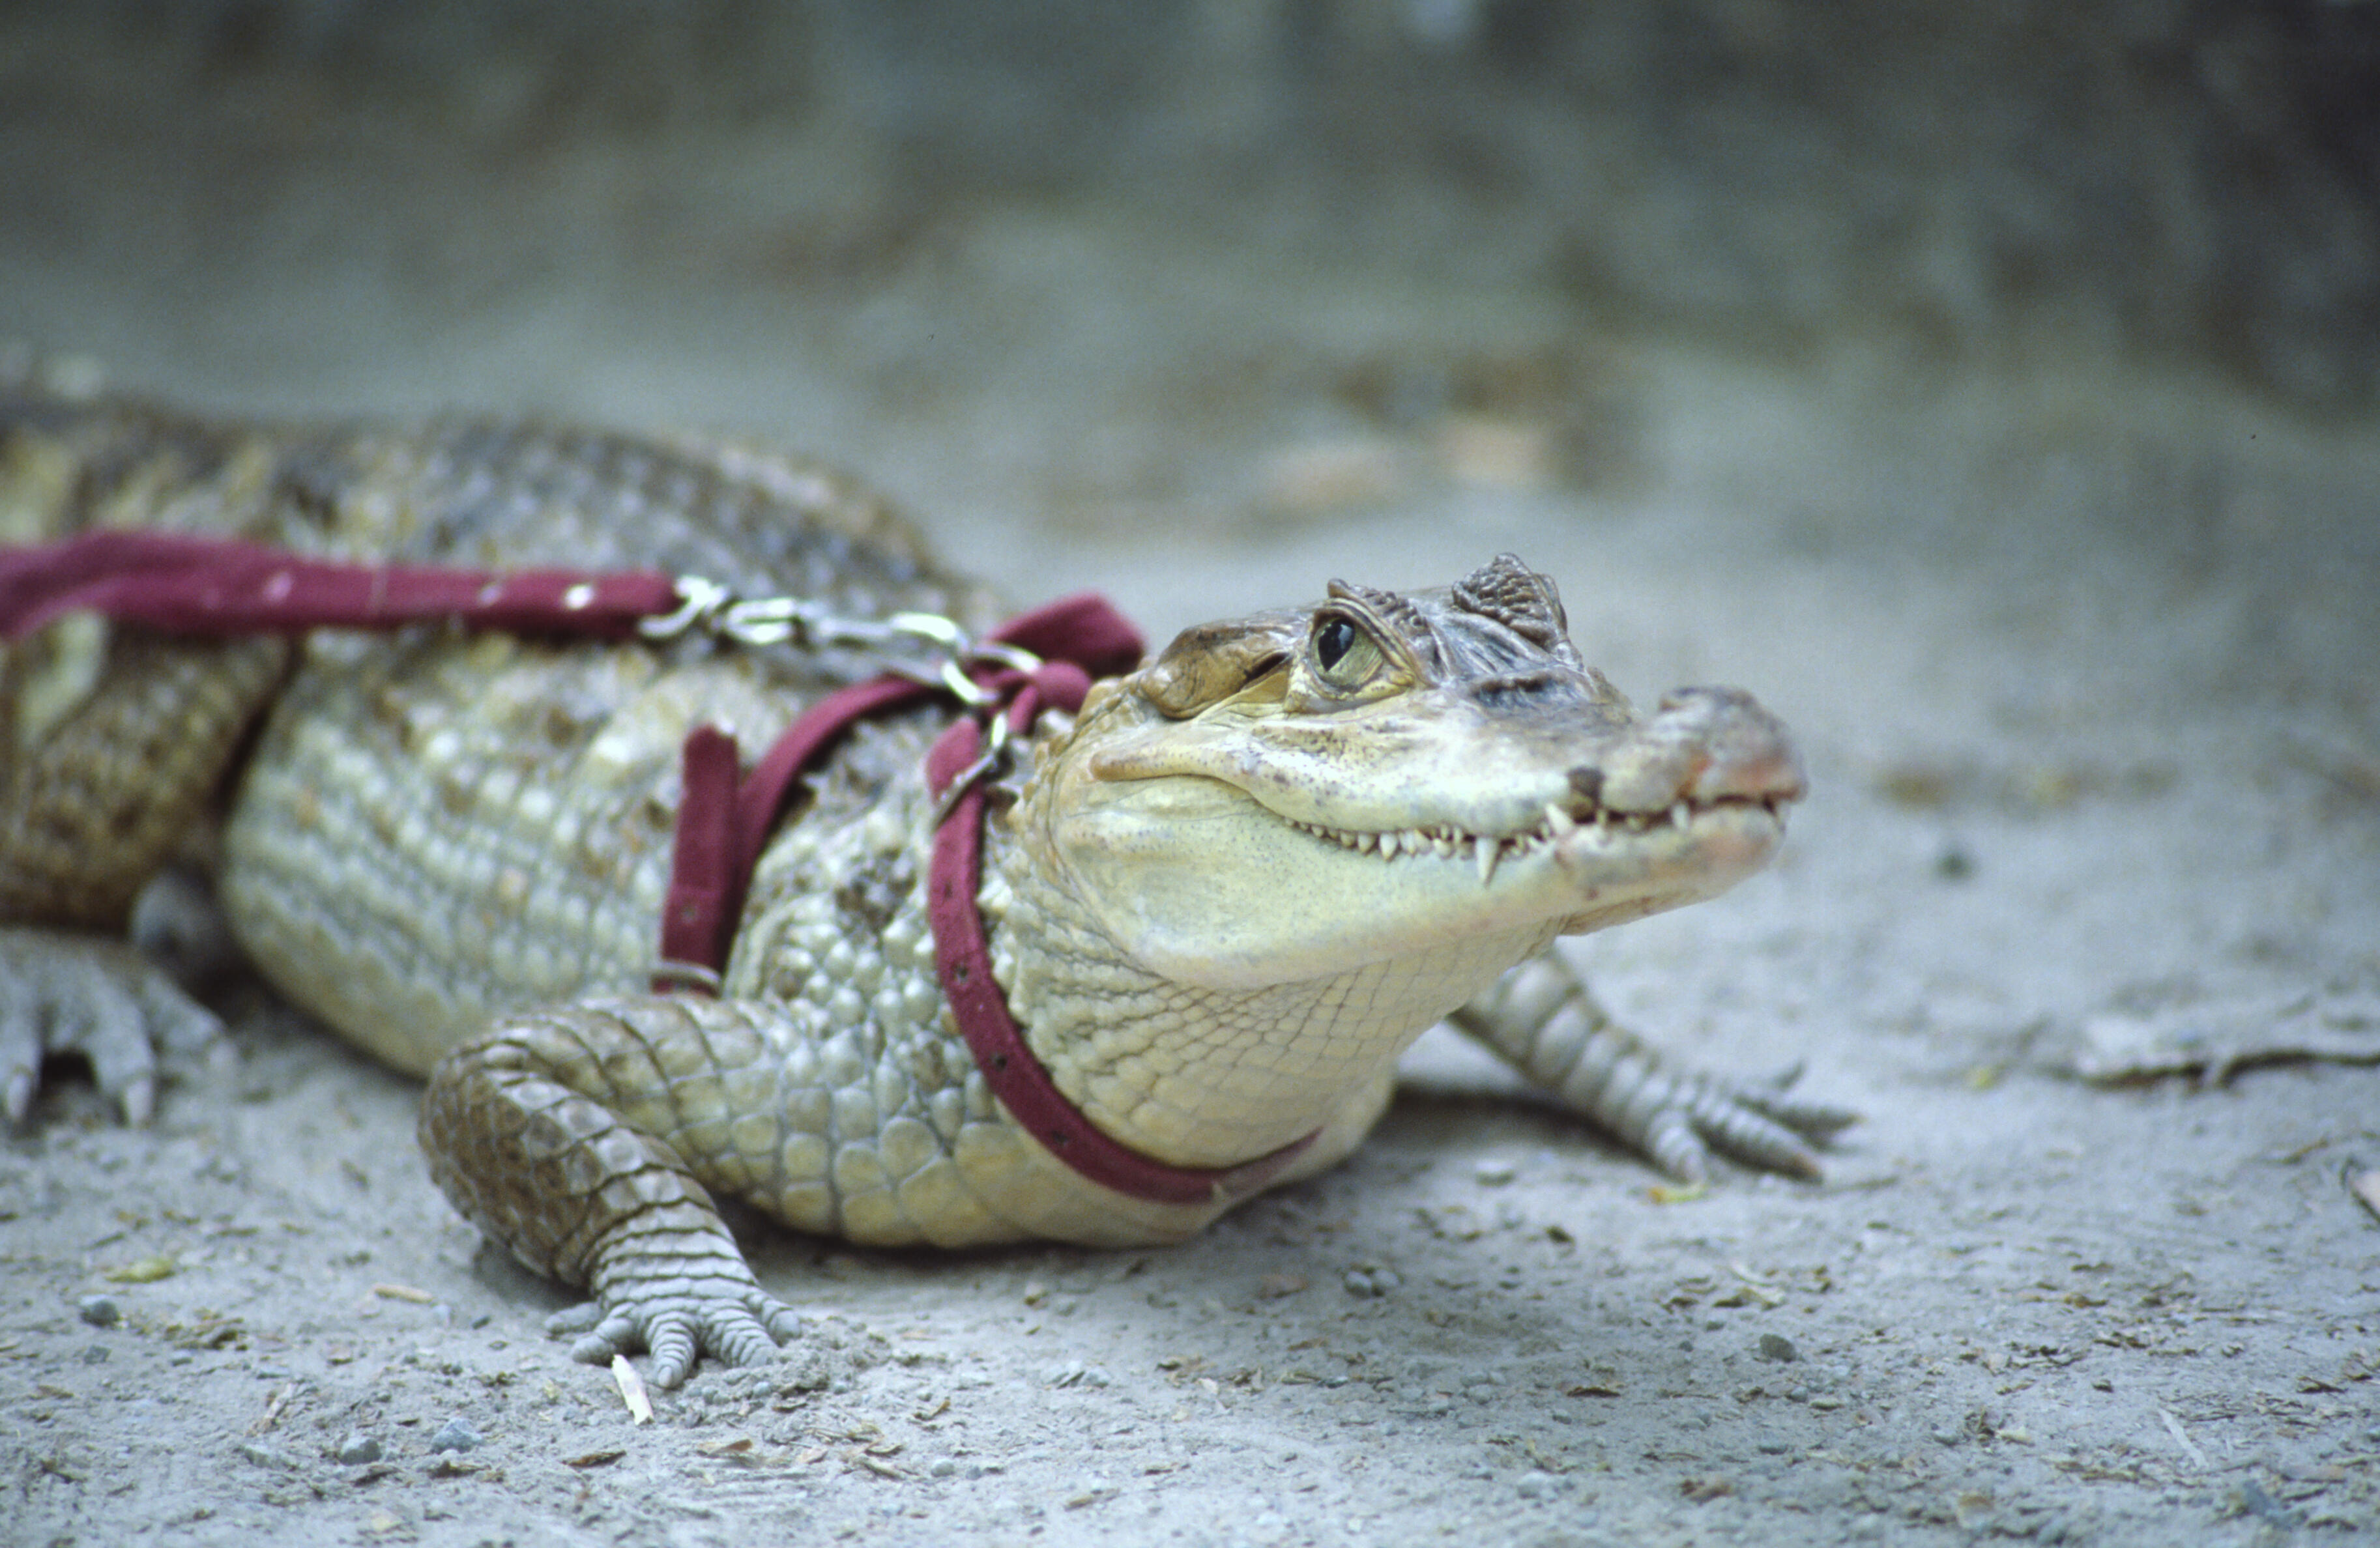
{"points": [[2082, 651]]}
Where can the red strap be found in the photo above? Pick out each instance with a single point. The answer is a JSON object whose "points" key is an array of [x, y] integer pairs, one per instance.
{"points": [[1083, 635], [214, 587], [963, 961], [695, 916], [189, 585], [1079, 638]]}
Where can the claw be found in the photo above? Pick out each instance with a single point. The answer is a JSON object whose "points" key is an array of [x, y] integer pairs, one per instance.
{"points": [[674, 1347], [99, 1000], [575, 1319], [732, 1330]]}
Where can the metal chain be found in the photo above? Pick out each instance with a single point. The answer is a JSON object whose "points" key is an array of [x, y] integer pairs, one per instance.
{"points": [[709, 608]]}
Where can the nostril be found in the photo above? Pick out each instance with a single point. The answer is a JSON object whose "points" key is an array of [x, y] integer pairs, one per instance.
{"points": [[1711, 700], [1756, 768]]}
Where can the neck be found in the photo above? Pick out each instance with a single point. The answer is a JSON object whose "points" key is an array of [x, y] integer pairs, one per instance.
{"points": [[1193, 1076]]}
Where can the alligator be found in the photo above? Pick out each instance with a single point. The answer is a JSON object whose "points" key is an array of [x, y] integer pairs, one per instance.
{"points": [[1215, 894]]}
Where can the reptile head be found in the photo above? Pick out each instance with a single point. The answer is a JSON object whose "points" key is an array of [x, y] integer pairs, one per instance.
{"points": [[1298, 794]]}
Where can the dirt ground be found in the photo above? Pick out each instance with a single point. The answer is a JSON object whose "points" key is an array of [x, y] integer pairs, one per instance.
{"points": [[2081, 641]]}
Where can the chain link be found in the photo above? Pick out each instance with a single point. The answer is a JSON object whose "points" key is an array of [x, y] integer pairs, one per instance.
{"points": [[706, 607], [709, 608]]}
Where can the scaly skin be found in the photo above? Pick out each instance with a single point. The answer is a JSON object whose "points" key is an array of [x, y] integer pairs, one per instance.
{"points": [[1221, 900]]}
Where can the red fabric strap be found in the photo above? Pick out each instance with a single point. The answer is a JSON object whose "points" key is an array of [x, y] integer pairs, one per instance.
{"points": [[1079, 638], [963, 961], [1083, 635], [184, 584], [189, 585]]}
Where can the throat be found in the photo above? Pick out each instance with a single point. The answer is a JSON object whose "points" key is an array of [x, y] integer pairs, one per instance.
{"points": [[1201, 1077]]}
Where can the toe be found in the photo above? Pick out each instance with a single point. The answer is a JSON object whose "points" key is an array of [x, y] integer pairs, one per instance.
{"points": [[671, 1338]]}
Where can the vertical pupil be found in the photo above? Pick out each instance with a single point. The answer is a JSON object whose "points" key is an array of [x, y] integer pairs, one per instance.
{"points": [[1337, 639]]}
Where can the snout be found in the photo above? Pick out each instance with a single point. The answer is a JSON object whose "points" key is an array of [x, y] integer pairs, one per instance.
{"points": [[1701, 746]]}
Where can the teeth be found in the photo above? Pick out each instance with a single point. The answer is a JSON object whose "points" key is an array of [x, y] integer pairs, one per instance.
{"points": [[1486, 851]]}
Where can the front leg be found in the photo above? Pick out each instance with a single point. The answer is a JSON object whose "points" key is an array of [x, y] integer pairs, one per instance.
{"points": [[573, 1137], [1541, 1019]]}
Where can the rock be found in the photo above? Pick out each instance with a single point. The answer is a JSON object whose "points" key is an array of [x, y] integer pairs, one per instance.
{"points": [[456, 1434]]}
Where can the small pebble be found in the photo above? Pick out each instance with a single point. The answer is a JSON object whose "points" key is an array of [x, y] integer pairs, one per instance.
{"points": [[99, 1311], [1536, 1485], [942, 1466], [358, 1447], [97, 1355], [456, 1434], [1777, 1346], [1947, 1437], [1774, 1446], [1493, 1174]]}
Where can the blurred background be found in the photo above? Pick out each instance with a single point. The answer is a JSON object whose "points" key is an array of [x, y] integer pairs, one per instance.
{"points": [[2036, 286]]}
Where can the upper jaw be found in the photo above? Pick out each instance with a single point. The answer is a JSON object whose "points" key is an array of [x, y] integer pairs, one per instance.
{"points": [[1174, 834], [1445, 778]]}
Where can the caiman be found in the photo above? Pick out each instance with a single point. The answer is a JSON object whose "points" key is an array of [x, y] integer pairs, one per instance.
{"points": [[1218, 895]]}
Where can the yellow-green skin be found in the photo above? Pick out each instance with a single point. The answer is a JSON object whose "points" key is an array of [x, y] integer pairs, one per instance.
{"points": [[1221, 901]]}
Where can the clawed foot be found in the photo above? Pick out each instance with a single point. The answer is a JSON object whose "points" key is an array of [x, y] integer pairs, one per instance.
{"points": [[678, 1322], [1759, 1126], [1542, 1017], [101, 999]]}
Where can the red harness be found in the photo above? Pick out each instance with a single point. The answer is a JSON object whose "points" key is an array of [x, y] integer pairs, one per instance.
{"points": [[201, 586]]}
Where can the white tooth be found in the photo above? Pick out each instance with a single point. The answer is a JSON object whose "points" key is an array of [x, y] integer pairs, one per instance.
{"points": [[1490, 851], [1680, 815], [1444, 845], [1387, 846], [1561, 822]]}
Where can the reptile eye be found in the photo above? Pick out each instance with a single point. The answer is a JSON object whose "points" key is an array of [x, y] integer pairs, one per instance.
{"points": [[1345, 653]]}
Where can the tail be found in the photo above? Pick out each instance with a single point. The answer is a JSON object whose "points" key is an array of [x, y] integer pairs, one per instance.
{"points": [[113, 743], [74, 456]]}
